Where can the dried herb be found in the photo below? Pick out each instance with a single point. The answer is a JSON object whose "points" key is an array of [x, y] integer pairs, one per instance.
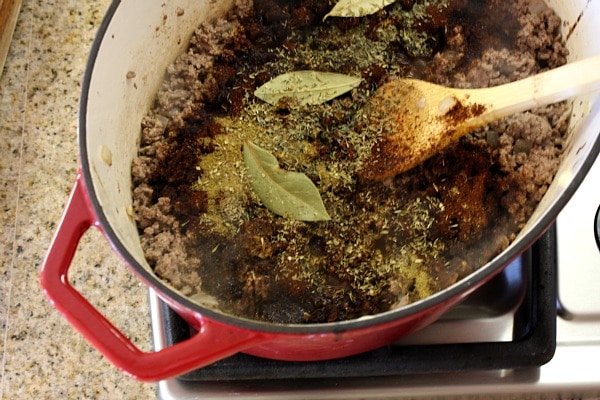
{"points": [[357, 8], [286, 193], [307, 87]]}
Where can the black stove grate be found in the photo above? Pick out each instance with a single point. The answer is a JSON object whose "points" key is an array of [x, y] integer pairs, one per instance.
{"points": [[534, 328]]}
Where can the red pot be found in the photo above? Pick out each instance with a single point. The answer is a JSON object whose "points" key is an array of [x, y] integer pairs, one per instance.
{"points": [[143, 37]]}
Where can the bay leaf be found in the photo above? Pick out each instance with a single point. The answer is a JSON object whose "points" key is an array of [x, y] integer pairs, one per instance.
{"points": [[286, 193], [307, 87], [357, 8]]}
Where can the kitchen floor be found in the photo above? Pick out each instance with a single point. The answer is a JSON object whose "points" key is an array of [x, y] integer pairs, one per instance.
{"points": [[41, 355]]}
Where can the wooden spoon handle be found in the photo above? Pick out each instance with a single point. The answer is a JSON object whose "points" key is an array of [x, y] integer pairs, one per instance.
{"points": [[577, 78]]}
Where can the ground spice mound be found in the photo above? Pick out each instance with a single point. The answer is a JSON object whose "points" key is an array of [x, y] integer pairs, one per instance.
{"points": [[388, 243]]}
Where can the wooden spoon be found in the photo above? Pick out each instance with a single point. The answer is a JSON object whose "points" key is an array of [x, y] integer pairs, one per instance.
{"points": [[418, 119]]}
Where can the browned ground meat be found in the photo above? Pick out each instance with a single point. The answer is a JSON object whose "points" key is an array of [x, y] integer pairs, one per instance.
{"points": [[388, 243]]}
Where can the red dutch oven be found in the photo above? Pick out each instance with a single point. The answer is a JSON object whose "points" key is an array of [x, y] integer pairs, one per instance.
{"points": [[137, 40]]}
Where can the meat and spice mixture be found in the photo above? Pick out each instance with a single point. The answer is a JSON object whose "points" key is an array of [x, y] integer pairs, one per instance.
{"points": [[387, 243]]}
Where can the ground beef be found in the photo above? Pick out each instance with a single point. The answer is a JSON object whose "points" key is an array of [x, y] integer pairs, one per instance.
{"points": [[388, 243]]}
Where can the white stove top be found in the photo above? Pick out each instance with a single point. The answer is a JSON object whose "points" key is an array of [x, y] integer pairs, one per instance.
{"points": [[573, 371]]}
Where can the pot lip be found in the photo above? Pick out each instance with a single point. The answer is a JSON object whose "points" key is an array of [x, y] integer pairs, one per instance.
{"points": [[447, 296]]}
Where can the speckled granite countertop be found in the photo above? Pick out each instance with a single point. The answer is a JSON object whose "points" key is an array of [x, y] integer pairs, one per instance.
{"points": [[41, 355]]}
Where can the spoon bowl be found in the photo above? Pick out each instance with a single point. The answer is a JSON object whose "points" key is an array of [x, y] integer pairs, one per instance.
{"points": [[417, 119]]}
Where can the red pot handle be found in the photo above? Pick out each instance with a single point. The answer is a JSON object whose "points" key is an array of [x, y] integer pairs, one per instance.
{"points": [[214, 341]]}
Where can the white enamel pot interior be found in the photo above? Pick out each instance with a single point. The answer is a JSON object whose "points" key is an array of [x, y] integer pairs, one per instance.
{"points": [[137, 41]]}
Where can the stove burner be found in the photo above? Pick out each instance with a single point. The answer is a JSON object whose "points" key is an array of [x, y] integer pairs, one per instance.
{"points": [[533, 340]]}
